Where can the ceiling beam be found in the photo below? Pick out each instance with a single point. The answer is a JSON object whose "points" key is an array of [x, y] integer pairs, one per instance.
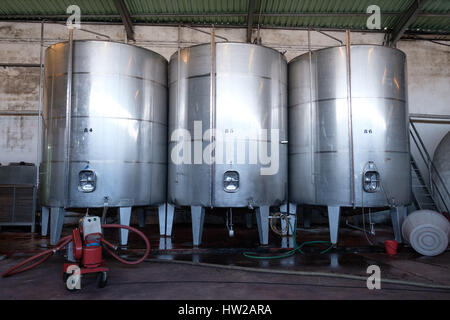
{"points": [[88, 17], [251, 9], [438, 34], [405, 20], [126, 18]]}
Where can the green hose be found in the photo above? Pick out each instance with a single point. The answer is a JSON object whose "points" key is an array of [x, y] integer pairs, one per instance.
{"points": [[253, 255]]}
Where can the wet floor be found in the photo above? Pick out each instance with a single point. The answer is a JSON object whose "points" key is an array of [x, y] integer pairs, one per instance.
{"points": [[165, 280]]}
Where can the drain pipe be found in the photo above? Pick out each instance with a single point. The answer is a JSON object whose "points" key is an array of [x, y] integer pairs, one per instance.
{"points": [[41, 93], [350, 118], [68, 119], [212, 111], [311, 111]]}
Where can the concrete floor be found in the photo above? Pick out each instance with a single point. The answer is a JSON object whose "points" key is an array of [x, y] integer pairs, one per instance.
{"points": [[167, 281]]}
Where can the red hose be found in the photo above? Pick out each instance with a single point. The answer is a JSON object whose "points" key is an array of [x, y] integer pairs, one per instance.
{"points": [[139, 233], [45, 254], [64, 241]]}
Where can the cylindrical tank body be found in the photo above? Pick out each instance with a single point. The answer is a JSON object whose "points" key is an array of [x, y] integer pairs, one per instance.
{"points": [[441, 161], [329, 133], [118, 126], [249, 96]]}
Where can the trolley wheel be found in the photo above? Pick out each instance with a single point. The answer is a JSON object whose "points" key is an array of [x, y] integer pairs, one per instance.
{"points": [[102, 279]]}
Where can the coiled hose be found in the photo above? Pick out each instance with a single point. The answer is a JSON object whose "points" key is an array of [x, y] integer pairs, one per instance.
{"points": [[63, 242], [297, 248]]}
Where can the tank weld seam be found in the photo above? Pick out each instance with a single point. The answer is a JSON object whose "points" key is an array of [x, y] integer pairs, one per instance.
{"points": [[109, 161], [346, 151], [120, 118], [190, 77], [219, 140], [227, 74], [342, 98], [198, 76], [107, 74]]}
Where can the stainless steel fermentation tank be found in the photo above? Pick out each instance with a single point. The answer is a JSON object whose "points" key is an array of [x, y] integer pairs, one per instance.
{"points": [[105, 129], [247, 93], [348, 131]]}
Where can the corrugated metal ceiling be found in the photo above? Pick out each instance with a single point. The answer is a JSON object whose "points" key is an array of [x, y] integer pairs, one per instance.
{"points": [[329, 14]]}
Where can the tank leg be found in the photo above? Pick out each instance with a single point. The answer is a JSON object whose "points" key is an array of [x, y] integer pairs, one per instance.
{"points": [[56, 224], [248, 220], [162, 243], [124, 218], [162, 219], [198, 218], [165, 213], [292, 216], [334, 214], [141, 217], [169, 220], [284, 243], [292, 222], [307, 213], [284, 227], [398, 215], [44, 221], [169, 243], [262, 219]]}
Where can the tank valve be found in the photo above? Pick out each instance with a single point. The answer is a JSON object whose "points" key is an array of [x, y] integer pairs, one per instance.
{"points": [[250, 204], [230, 222]]}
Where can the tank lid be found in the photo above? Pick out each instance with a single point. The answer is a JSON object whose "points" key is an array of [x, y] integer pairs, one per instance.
{"points": [[108, 41], [232, 43], [352, 46]]}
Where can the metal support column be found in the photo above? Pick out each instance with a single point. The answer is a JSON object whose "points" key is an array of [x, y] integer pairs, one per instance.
{"points": [[198, 219], [398, 215], [44, 221], [262, 219], [56, 224], [124, 218], [334, 214]]}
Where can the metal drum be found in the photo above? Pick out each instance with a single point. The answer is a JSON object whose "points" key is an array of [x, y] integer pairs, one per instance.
{"points": [[248, 94], [348, 129], [113, 149]]}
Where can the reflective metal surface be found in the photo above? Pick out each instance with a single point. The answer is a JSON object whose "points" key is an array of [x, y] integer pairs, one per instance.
{"points": [[118, 125], [319, 140], [441, 161], [250, 94]]}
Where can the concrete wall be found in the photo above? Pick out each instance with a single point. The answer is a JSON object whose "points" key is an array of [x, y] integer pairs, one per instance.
{"points": [[428, 71]]}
